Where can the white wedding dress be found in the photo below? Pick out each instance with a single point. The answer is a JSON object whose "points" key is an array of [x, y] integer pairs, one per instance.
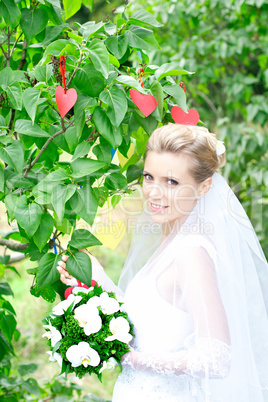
{"points": [[198, 302], [161, 331]]}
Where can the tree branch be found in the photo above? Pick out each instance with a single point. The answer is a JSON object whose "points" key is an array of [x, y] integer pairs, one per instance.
{"points": [[4, 52], [15, 43], [210, 104], [13, 245], [23, 55], [29, 167], [75, 70]]}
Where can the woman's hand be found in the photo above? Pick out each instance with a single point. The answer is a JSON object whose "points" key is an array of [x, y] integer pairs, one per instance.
{"points": [[68, 279]]}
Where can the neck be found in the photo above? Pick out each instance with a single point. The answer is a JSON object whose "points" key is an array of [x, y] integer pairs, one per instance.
{"points": [[167, 227]]}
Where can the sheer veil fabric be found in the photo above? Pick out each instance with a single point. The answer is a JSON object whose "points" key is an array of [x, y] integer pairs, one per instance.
{"points": [[212, 275]]}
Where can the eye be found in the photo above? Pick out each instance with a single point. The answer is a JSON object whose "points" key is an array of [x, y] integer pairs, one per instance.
{"points": [[145, 176], [172, 182]]}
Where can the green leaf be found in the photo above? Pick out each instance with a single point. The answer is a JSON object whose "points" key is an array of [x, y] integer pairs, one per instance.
{"points": [[90, 27], [117, 102], [79, 266], [88, 4], [10, 12], [31, 386], [58, 48], [104, 127], [25, 369], [30, 100], [71, 7], [82, 238], [131, 82], [178, 94], [43, 233], [6, 76], [79, 111], [113, 60], [84, 203], [5, 289], [47, 272], [157, 92], [8, 325], [81, 150], [117, 45], [11, 203], [33, 22], [65, 226], [89, 81], [144, 17], [14, 93], [28, 215], [116, 181], [52, 33], [86, 166], [13, 155], [168, 69], [141, 38], [60, 195], [115, 200], [26, 127], [99, 56], [103, 151], [133, 173], [149, 123]]}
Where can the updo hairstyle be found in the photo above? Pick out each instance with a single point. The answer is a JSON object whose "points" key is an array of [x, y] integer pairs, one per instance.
{"points": [[196, 142]]}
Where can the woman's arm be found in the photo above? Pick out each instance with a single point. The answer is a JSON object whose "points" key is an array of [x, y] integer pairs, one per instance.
{"points": [[98, 274], [209, 353]]}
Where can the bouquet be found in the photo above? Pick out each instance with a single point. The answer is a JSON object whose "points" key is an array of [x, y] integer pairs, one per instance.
{"points": [[88, 332]]}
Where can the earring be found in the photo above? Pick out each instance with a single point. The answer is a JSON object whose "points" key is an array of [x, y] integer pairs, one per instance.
{"points": [[198, 197]]}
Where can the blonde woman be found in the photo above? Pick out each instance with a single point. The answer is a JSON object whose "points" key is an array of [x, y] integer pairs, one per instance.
{"points": [[194, 283]]}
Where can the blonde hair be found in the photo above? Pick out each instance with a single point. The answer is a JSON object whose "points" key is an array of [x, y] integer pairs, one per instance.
{"points": [[196, 142]]}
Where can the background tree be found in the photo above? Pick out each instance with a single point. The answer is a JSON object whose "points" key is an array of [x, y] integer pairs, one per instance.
{"points": [[56, 167]]}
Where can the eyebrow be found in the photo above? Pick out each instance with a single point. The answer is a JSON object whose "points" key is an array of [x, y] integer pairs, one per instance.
{"points": [[163, 177]]}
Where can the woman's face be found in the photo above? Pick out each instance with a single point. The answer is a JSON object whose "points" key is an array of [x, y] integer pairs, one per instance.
{"points": [[169, 190]]}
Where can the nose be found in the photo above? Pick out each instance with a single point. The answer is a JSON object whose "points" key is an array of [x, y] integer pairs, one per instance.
{"points": [[155, 191]]}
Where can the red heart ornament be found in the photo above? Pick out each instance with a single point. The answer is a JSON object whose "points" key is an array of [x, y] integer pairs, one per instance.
{"points": [[146, 103], [65, 101], [180, 117]]}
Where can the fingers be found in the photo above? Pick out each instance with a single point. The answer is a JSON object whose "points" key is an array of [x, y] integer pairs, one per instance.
{"points": [[65, 277]]}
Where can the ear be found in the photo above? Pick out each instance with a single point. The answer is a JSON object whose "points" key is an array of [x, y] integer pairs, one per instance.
{"points": [[204, 187]]}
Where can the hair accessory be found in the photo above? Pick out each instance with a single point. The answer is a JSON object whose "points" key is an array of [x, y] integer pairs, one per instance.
{"points": [[220, 148]]}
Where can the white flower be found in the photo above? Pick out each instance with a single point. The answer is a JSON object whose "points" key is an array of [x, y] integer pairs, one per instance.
{"points": [[220, 147], [82, 354], [81, 289], [53, 334], [88, 318], [110, 364], [60, 308], [55, 357], [108, 305], [119, 327]]}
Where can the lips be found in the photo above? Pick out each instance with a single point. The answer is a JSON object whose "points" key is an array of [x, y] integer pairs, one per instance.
{"points": [[157, 207]]}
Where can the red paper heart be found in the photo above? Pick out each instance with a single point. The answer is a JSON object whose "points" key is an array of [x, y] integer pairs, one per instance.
{"points": [[65, 101], [146, 103], [180, 117]]}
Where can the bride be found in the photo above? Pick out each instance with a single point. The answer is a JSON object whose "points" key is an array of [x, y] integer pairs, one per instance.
{"points": [[194, 283]]}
